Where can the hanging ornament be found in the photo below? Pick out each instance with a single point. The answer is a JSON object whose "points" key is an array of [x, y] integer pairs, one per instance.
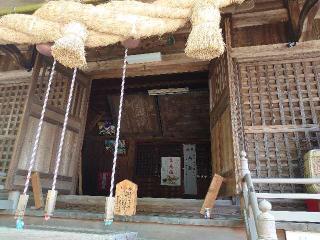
{"points": [[171, 40], [19, 224], [131, 43], [44, 49]]}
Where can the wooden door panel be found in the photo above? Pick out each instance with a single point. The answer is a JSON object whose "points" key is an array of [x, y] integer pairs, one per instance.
{"points": [[46, 146], [52, 128], [68, 155]]}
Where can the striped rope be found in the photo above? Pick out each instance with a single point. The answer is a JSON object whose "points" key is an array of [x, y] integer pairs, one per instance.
{"points": [[115, 154], [36, 143], [63, 133]]}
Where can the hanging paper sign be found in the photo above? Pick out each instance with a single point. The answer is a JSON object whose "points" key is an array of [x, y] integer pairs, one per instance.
{"points": [[171, 171], [106, 128], [104, 179], [190, 169], [126, 198], [110, 144]]}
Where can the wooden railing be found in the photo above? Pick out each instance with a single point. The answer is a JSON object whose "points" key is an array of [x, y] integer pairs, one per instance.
{"points": [[259, 219]]}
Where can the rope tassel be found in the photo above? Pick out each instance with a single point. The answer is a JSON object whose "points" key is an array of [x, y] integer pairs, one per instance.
{"points": [[52, 194], [110, 201]]}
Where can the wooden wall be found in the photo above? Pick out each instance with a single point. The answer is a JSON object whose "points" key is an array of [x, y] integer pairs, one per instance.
{"points": [[279, 109], [272, 28]]}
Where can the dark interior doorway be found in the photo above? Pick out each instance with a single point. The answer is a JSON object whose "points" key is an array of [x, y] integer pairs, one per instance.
{"points": [[153, 127]]}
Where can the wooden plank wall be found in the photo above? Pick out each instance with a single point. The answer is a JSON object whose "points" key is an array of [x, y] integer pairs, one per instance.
{"points": [[273, 30]]}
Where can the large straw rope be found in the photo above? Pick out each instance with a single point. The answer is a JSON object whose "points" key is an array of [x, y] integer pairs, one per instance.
{"points": [[204, 44], [100, 18], [147, 9], [112, 22], [22, 28]]}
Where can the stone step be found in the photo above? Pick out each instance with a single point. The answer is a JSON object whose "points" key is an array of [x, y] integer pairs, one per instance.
{"points": [[6, 204], [154, 229], [62, 234]]}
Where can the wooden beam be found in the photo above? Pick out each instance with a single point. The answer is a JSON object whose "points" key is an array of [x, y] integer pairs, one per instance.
{"points": [[275, 50], [259, 18], [171, 63], [16, 76]]}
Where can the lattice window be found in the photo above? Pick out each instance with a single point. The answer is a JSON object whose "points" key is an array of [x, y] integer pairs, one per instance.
{"points": [[218, 79], [59, 91], [280, 106], [12, 100]]}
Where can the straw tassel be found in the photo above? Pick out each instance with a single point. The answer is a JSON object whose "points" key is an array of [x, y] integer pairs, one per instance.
{"points": [[205, 40], [69, 50]]}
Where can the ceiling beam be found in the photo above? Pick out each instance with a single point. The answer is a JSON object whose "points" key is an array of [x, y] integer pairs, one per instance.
{"points": [[171, 63], [259, 18]]}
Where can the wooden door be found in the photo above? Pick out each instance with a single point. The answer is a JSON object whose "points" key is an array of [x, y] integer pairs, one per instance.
{"points": [[52, 127]]}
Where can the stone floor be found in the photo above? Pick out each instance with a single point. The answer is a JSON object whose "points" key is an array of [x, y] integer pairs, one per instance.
{"points": [[40, 234]]}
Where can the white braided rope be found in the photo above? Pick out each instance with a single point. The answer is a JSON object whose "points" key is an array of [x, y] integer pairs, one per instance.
{"points": [[36, 142], [115, 154], [63, 133]]}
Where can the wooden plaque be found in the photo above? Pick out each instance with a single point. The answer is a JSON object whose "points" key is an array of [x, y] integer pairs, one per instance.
{"points": [[126, 198], [37, 190], [212, 193]]}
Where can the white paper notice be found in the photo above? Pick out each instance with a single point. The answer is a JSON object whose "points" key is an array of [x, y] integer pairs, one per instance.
{"points": [[171, 171], [190, 169]]}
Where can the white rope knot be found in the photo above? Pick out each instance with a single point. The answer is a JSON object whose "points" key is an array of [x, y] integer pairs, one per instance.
{"points": [[75, 29]]}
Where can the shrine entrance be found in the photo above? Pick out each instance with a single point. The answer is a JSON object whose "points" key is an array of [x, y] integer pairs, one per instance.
{"points": [[165, 136]]}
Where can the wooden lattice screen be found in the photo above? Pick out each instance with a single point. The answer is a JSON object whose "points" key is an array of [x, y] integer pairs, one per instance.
{"points": [[278, 101], [59, 91], [218, 80], [12, 101]]}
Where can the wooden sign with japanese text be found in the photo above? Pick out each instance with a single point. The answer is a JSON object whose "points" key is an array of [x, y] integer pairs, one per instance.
{"points": [[126, 198]]}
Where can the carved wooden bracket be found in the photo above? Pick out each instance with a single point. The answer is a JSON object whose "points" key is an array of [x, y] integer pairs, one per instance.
{"points": [[15, 53], [302, 20]]}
